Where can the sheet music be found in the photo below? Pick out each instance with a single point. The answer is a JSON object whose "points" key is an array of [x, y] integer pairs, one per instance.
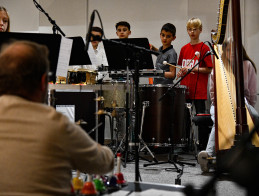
{"points": [[149, 192], [64, 56], [67, 110]]}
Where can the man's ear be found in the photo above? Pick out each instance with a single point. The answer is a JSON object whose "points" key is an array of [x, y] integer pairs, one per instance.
{"points": [[44, 82], [129, 32]]}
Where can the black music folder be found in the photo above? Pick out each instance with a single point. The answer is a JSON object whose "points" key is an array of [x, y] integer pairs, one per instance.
{"points": [[78, 55], [119, 56], [52, 41]]}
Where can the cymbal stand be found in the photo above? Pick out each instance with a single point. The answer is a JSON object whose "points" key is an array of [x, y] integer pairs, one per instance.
{"points": [[145, 105], [124, 140]]}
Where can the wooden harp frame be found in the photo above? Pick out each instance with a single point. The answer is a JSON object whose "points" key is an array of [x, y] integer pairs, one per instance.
{"points": [[241, 115]]}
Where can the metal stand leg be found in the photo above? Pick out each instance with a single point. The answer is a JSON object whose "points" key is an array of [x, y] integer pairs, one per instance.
{"points": [[141, 141], [145, 105], [193, 139]]}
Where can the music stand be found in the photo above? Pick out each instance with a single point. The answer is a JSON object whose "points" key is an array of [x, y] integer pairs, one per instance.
{"points": [[119, 56], [52, 41], [78, 54]]}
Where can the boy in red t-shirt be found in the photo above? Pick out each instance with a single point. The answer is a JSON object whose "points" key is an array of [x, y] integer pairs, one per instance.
{"points": [[196, 82]]}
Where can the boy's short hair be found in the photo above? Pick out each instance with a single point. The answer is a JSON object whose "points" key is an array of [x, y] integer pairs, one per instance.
{"points": [[194, 22], [97, 29], [123, 23], [169, 28]]}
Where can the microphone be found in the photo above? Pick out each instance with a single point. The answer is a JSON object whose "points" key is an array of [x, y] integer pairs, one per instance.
{"points": [[214, 52], [208, 53], [88, 35]]}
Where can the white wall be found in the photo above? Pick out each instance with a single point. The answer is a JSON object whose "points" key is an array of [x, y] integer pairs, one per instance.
{"points": [[24, 16], [145, 16]]}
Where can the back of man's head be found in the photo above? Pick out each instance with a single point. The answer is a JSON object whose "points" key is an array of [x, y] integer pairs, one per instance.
{"points": [[168, 27], [22, 65]]}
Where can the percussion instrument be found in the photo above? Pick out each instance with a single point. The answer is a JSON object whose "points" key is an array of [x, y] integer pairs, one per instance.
{"points": [[142, 73], [81, 76], [164, 120], [72, 77], [115, 98]]}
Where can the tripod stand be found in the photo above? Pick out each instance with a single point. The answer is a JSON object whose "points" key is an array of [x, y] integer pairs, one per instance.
{"points": [[141, 141], [172, 160]]}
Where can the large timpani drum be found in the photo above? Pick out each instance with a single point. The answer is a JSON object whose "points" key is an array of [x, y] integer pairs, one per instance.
{"points": [[164, 120]]}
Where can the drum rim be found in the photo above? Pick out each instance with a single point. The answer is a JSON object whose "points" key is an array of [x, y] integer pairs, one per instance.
{"points": [[114, 82], [155, 85], [162, 85]]}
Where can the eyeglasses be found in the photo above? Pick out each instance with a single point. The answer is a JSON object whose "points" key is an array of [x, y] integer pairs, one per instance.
{"points": [[190, 30]]}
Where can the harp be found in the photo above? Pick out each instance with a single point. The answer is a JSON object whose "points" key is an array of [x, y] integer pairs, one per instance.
{"points": [[232, 118]]}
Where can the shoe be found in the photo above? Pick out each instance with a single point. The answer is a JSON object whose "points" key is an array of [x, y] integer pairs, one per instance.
{"points": [[203, 161]]}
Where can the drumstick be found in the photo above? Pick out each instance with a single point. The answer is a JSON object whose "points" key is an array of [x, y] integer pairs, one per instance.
{"points": [[165, 63], [196, 54]]}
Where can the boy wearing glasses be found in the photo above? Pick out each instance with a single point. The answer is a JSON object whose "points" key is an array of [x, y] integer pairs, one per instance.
{"points": [[197, 81]]}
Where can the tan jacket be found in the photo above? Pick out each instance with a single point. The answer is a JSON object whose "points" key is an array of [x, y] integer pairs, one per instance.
{"points": [[39, 147]]}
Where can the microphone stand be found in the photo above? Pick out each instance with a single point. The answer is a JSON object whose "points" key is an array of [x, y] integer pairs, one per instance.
{"points": [[187, 73], [55, 27], [88, 35], [127, 119]]}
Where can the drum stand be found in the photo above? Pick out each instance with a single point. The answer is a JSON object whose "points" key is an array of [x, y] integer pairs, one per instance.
{"points": [[145, 105]]}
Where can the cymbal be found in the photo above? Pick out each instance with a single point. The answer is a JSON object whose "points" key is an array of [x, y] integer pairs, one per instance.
{"points": [[100, 98], [81, 122], [113, 113], [100, 112]]}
